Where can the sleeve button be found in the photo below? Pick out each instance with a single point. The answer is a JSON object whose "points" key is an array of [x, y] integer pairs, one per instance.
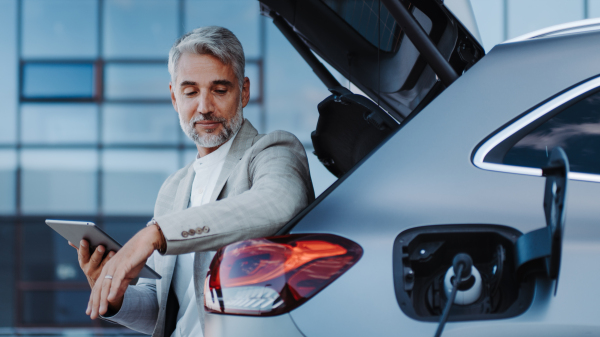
{"points": [[192, 231], [206, 229], [199, 230], [184, 234]]}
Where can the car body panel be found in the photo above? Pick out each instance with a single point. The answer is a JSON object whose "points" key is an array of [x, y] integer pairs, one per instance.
{"points": [[439, 185], [230, 325]]}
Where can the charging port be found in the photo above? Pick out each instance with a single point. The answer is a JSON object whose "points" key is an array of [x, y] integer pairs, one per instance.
{"points": [[423, 256]]}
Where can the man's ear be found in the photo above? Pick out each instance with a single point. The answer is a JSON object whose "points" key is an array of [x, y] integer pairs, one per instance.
{"points": [[173, 99], [246, 92]]}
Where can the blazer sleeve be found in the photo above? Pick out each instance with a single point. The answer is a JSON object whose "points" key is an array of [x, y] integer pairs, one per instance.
{"points": [[139, 311], [280, 187]]}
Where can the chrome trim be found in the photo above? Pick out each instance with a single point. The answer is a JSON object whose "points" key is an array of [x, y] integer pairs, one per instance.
{"points": [[584, 177], [529, 118], [580, 26]]}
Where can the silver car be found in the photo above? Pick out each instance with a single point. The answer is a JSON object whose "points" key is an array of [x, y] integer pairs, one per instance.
{"points": [[455, 157]]}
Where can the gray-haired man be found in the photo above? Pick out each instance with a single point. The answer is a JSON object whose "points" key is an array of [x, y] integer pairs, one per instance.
{"points": [[242, 185]]}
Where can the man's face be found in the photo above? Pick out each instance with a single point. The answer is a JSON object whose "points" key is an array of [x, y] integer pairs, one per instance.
{"points": [[207, 96]]}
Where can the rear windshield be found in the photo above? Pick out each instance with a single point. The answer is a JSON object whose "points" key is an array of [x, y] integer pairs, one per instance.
{"points": [[362, 16]]}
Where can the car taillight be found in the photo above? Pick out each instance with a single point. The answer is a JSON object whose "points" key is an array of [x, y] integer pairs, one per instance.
{"points": [[271, 276]]}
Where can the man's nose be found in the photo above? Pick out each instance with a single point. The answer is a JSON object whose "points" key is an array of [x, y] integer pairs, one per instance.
{"points": [[205, 103]]}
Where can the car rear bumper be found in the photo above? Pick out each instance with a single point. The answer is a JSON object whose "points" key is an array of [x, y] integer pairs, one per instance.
{"points": [[247, 326]]}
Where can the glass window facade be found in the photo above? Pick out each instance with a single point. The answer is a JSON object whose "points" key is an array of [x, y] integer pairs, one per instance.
{"points": [[136, 81], [9, 72], [131, 179], [59, 29], [128, 123], [139, 29], [59, 123], [57, 80]]}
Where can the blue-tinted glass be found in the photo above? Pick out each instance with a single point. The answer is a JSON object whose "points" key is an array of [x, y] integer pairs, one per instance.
{"points": [[321, 177], [139, 28], [140, 124], [123, 229], [8, 169], [60, 29], [490, 21], [190, 155], [362, 15], [593, 8], [525, 16], [252, 72], [252, 112], [132, 179], [51, 260], [291, 108], [56, 308], [59, 182], [7, 272], [240, 16], [576, 130], [8, 71], [59, 123], [58, 80], [137, 81]]}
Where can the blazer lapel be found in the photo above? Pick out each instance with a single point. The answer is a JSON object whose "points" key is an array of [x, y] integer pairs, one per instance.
{"points": [[241, 143], [182, 198], [184, 190]]}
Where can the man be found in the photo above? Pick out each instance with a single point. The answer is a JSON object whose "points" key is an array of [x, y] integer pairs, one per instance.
{"points": [[242, 185]]}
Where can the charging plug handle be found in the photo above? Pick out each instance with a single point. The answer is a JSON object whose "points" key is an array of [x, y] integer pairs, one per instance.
{"points": [[467, 263]]}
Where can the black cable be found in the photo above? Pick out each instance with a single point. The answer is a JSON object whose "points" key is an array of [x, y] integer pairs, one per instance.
{"points": [[444, 318], [462, 265]]}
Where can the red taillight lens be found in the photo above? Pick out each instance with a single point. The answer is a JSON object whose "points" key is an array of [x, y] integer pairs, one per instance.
{"points": [[270, 276]]}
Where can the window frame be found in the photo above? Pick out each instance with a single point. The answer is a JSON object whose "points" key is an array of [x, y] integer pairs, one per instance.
{"points": [[532, 119]]}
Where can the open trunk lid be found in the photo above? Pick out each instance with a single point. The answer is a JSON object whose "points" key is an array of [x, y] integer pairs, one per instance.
{"points": [[363, 41]]}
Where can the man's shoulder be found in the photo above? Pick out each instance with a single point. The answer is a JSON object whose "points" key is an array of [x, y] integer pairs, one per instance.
{"points": [[276, 138]]}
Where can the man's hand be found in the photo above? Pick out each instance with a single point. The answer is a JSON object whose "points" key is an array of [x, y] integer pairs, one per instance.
{"points": [[124, 266], [91, 264]]}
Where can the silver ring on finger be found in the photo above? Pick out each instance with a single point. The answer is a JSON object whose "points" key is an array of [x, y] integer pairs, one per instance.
{"points": [[108, 277]]}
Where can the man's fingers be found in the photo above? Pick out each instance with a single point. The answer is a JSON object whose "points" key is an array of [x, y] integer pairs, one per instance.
{"points": [[91, 310], [106, 286], [96, 257], [84, 252], [107, 258], [116, 284], [72, 245], [96, 293]]}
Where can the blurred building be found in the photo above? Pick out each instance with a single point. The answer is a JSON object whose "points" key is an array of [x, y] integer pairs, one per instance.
{"points": [[87, 130]]}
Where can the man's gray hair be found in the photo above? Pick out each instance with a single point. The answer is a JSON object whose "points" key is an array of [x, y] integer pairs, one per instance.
{"points": [[213, 40]]}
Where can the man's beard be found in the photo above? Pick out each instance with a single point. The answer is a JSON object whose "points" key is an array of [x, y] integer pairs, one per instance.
{"points": [[213, 140]]}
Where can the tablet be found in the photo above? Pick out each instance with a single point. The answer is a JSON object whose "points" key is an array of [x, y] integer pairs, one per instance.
{"points": [[75, 231]]}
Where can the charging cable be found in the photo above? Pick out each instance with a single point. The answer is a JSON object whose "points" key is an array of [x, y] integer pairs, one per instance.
{"points": [[462, 265]]}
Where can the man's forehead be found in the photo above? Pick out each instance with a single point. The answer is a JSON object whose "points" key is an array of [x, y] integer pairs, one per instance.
{"points": [[203, 69]]}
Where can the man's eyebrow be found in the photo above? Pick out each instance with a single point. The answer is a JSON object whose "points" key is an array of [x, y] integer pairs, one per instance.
{"points": [[222, 82], [184, 83]]}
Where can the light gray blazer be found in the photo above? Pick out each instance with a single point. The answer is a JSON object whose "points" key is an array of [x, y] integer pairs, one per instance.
{"points": [[264, 182]]}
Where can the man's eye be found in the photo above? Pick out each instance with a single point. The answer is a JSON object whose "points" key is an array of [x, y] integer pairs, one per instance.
{"points": [[189, 92], [221, 92]]}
